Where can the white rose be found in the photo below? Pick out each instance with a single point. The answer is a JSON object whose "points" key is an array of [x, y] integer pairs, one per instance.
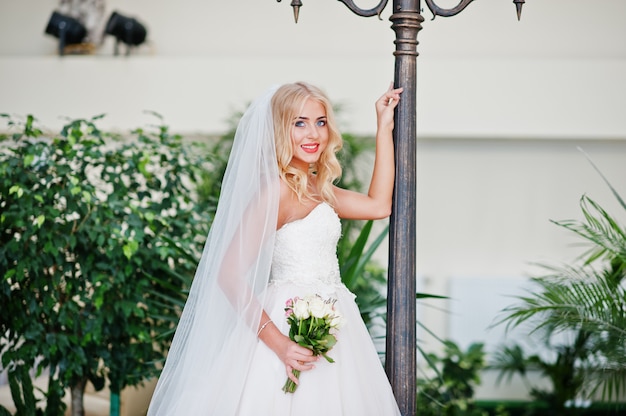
{"points": [[329, 309], [337, 321], [317, 307], [301, 309]]}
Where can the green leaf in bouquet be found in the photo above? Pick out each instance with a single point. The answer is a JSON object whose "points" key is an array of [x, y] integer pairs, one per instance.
{"points": [[330, 360], [330, 341]]}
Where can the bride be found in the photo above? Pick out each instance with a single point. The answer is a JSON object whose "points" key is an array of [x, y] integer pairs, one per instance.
{"points": [[274, 239]]}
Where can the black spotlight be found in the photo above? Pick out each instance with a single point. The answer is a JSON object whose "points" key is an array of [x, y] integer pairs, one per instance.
{"points": [[126, 30], [69, 30]]}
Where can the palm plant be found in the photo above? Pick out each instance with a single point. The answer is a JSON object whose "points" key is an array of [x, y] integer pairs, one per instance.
{"points": [[586, 299]]}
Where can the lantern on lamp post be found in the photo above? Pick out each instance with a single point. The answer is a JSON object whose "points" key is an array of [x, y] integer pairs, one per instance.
{"points": [[400, 355]]}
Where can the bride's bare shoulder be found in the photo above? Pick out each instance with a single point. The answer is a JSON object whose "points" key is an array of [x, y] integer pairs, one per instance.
{"points": [[290, 207]]}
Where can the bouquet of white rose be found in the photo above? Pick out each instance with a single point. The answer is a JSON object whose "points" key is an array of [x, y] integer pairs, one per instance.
{"points": [[311, 320]]}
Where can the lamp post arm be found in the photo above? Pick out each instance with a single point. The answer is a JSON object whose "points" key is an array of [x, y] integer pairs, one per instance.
{"points": [[440, 11], [375, 11]]}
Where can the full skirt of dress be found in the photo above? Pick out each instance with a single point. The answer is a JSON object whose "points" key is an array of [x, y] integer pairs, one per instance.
{"points": [[354, 385]]}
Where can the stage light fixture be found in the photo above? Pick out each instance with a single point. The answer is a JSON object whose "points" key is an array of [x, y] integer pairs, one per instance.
{"points": [[126, 30], [68, 30]]}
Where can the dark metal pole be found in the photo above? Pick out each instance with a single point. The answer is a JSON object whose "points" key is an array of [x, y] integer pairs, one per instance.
{"points": [[401, 348], [400, 362]]}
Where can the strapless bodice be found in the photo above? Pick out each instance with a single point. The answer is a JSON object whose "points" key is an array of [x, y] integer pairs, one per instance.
{"points": [[305, 250]]}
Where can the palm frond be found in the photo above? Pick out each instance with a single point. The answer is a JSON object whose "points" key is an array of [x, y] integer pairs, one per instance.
{"points": [[601, 230], [574, 298], [611, 383], [613, 190]]}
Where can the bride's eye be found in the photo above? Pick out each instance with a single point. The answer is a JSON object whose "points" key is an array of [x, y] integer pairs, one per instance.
{"points": [[321, 123], [299, 123]]}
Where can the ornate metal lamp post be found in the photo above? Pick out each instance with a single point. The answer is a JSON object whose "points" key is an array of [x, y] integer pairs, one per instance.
{"points": [[400, 362]]}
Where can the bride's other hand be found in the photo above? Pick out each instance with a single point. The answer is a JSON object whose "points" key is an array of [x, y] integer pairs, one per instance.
{"points": [[292, 355], [385, 107], [295, 357]]}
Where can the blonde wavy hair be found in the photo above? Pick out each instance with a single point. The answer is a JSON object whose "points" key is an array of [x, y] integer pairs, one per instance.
{"points": [[287, 103]]}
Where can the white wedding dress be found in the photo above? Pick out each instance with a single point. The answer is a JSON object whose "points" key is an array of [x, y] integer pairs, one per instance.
{"points": [[305, 262]]}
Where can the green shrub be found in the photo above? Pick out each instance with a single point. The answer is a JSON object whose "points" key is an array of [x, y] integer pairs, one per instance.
{"points": [[86, 220], [450, 390]]}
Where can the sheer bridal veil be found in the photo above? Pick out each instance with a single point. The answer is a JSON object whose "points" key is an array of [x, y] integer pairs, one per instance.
{"points": [[206, 366]]}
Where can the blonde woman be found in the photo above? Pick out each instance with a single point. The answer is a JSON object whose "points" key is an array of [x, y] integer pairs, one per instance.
{"points": [[274, 239]]}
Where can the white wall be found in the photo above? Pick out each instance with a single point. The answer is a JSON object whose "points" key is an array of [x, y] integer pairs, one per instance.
{"points": [[502, 107], [479, 73]]}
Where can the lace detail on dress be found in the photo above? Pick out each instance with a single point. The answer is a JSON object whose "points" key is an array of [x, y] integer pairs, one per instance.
{"points": [[305, 251]]}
